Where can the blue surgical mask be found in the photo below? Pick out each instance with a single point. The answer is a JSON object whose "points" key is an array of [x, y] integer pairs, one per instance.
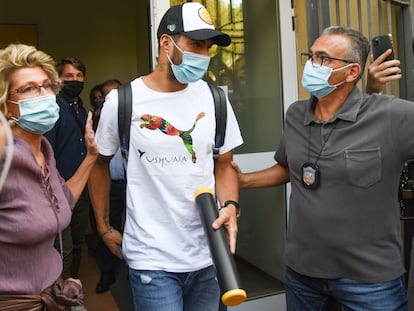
{"points": [[315, 79], [37, 115], [193, 66]]}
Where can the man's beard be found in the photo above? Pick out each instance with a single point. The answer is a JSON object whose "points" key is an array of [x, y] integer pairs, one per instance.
{"points": [[171, 75], [174, 59]]}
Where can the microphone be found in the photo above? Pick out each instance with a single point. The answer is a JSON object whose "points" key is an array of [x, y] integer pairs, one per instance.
{"points": [[226, 270]]}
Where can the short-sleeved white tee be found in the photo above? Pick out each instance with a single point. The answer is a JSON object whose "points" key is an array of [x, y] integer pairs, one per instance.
{"points": [[170, 157]]}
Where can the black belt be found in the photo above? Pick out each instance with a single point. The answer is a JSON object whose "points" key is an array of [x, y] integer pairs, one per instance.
{"points": [[118, 181]]}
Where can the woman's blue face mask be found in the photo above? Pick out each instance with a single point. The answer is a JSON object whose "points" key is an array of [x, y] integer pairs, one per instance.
{"points": [[192, 68], [37, 115]]}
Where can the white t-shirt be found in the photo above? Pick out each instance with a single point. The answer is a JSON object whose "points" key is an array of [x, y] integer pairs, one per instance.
{"points": [[170, 157]]}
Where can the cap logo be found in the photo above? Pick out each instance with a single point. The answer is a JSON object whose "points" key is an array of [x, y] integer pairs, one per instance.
{"points": [[205, 16], [172, 27]]}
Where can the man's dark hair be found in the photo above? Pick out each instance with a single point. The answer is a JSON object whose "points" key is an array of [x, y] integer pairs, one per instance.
{"points": [[110, 82], [358, 44], [75, 62]]}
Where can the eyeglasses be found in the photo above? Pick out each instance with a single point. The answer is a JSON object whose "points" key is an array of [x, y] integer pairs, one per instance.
{"points": [[317, 59], [33, 89]]}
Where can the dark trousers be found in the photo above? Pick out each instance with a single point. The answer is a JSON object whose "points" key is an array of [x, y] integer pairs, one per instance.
{"points": [[117, 199], [73, 238]]}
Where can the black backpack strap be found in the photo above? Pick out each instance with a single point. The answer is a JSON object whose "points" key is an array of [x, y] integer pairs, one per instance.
{"points": [[124, 118], [220, 107]]}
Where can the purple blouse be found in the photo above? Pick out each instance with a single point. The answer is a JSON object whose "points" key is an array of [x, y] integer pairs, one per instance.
{"points": [[33, 208]]}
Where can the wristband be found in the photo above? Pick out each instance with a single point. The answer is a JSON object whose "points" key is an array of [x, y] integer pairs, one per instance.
{"points": [[236, 204]]}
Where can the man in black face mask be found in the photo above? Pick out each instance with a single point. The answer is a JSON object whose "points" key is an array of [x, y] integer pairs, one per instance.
{"points": [[67, 140]]}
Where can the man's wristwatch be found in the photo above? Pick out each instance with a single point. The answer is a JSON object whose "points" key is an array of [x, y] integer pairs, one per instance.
{"points": [[236, 204]]}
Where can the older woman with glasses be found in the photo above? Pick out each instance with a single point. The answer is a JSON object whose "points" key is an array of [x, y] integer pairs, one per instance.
{"points": [[35, 202]]}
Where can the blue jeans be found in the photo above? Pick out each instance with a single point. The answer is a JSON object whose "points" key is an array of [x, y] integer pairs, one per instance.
{"points": [[166, 291], [308, 293]]}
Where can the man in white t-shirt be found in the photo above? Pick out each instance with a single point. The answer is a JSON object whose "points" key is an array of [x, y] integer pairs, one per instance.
{"points": [[170, 157]]}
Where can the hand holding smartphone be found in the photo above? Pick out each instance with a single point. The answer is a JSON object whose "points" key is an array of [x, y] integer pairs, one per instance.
{"points": [[382, 71], [380, 44]]}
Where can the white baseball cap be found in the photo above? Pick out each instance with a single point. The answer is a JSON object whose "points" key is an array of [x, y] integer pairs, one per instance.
{"points": [[192, 20]]}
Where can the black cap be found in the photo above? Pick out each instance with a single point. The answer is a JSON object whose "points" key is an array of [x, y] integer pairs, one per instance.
{"points": [[192, 20]]}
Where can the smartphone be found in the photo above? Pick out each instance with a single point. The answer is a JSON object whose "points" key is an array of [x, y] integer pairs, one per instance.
{"points": [[380, 44]]}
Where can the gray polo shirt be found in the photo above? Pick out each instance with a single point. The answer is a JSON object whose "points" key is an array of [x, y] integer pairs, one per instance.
{"points": [[349, 225]]}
